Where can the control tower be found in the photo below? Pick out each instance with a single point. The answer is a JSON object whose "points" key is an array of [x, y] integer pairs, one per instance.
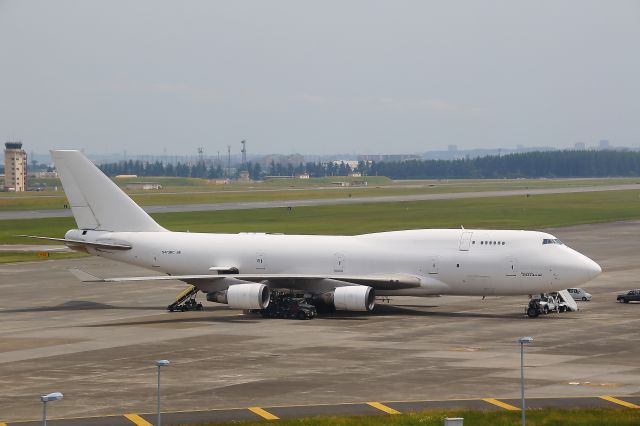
{"points": [[15, 167]]}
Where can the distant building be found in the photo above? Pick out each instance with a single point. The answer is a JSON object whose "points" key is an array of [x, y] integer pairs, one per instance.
{"points": [[604, 144], [146, 186], [580, 146], [352, 183], [351, 163], [303, 176], [15, 167], [244, 177], [389, 157]]}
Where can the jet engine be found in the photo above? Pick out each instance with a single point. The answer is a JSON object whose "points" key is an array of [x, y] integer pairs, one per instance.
{"points": [[354, 298], [242, 296]]}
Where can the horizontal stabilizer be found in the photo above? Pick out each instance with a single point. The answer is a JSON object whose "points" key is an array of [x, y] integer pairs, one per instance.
{"points": [[80, 243]]}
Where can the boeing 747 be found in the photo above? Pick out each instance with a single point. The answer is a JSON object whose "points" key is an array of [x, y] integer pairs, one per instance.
{"points": [[345, 272]]}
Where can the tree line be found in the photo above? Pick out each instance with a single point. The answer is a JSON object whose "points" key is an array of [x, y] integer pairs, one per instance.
{"points": [[548, 164]]}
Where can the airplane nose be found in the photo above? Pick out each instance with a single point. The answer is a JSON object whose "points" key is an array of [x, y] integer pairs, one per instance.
{"points": [[592, 269]]}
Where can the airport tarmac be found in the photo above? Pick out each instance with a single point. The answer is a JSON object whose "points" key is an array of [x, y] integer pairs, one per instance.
{"points": [[97, 343]]}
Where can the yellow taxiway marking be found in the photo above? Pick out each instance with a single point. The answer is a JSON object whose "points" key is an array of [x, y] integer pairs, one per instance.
{"points": [[619, 401], [3, 424], [139, 421], [383, 407], [263, 413], [501, 404]]}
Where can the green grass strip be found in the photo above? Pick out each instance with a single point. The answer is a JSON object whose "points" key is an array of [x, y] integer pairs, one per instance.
{"points": [[534, 212], [536, 417]]}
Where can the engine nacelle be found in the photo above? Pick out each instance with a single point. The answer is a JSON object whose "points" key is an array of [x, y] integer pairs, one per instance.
{"points": [[243, 296], [354, 298]]}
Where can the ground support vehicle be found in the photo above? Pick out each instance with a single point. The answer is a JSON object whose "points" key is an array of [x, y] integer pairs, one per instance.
{"points": [[579, 294], [287, 305], [186, 301], [630, 296], [550, 302]]}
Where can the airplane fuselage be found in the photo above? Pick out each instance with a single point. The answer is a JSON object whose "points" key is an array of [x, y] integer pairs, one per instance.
{"points": [[446, 261]]}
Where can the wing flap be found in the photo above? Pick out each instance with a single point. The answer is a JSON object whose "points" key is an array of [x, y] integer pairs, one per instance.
{"points": [[381, 282]]}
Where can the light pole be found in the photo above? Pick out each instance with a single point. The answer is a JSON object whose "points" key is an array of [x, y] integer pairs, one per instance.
{"points": [[523, 341], [55, 396], [160, 363]]}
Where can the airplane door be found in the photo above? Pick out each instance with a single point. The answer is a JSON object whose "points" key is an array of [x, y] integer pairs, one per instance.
{"points": [[465, 241], [155, 259], [433, 265], [338, 262], [511, 267]]}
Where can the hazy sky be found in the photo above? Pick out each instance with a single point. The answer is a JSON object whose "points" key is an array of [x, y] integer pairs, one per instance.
{"points": [[318, 77]]}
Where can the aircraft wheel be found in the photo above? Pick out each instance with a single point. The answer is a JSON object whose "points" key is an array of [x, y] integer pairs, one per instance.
{"points": [[532, 313]]}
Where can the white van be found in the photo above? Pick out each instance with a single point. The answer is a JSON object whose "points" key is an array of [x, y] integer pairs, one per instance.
{"points": [[579, 294]]}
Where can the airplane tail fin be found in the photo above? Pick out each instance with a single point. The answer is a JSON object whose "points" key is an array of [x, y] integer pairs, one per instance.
{"points": [[96, 202]]}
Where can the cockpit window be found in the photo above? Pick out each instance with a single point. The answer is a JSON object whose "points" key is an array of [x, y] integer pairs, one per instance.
{"points": [[551, 241]]}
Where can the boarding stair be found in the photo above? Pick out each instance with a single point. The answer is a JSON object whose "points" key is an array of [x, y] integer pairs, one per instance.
{"points": [[568, 300], [186, 301]]}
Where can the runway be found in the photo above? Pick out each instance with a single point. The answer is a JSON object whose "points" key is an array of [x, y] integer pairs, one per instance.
{"points": [[41, 214], [97, 343]]}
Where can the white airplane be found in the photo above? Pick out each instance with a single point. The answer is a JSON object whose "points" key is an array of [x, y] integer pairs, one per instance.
{"points": [[346, 271]]}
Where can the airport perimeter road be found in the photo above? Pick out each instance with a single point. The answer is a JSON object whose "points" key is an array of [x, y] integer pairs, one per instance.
{"points": [[40, 214], [97, 343]]}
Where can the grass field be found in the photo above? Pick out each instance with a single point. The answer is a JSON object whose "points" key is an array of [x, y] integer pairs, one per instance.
{"points": [[195, 191], [547, 417], [540, 211]]}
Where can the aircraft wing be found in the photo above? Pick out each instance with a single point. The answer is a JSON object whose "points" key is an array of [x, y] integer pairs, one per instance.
{"points": [[306, 281]]}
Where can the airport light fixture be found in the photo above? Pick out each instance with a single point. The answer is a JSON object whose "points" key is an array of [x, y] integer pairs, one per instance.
{"points": [[55, 396], [160, 363], [523, 341]]}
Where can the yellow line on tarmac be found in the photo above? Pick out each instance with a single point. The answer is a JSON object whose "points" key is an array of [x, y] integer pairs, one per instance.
{"points": [[263, 413], [501, 404], [3, 424], [383, 407], [619, 401], [139, 421]]}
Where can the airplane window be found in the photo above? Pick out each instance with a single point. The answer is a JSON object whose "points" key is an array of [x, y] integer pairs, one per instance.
{"points": [[551, 241]]}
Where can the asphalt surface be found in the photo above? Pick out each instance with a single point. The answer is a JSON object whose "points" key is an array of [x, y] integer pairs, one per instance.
{"points": [[41, 214], [97, 343]]}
